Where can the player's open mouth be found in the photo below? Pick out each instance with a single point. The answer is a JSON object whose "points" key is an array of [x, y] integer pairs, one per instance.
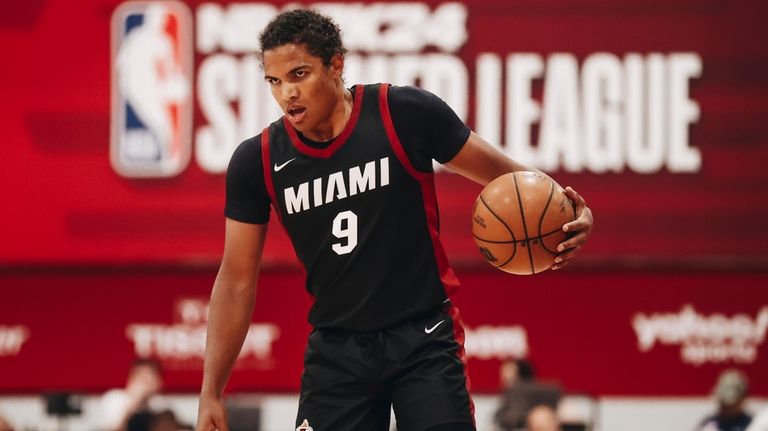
{"points": [[296, 114]]}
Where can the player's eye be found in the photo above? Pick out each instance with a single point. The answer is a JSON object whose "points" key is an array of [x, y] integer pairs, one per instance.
{"points": [[301, 73], [272, 81]]}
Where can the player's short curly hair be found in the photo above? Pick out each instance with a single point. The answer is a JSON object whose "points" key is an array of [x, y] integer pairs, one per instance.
{"points": [[318, 33]]}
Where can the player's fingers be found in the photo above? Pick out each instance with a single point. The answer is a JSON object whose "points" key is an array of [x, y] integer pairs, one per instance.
{"points": [[568, 254], [209, 426], [557, 266], [572, 242], [212, 422], [583, 222], [579, 203], [563, 259], [575, 226], [220, 424], [575, 197]]}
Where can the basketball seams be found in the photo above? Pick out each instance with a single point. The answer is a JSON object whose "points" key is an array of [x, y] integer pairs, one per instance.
{"points": [[512, 234], [525, 225], [535, 195], [518, 241], [544, 214]]}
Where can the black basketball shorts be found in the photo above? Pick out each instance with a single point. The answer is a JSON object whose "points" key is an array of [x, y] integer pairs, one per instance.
{"points": [[418, 368]]}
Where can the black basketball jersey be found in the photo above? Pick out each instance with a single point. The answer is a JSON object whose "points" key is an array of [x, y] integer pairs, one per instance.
{"points": [[363, 221]]}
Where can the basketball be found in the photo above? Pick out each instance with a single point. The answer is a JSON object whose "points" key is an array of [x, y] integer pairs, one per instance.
{"points": [[517, 222]]}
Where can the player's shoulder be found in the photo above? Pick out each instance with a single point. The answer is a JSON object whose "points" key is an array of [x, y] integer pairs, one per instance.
{"points": [[252, 144], [413, 100], [410, 94], [248, 152]]}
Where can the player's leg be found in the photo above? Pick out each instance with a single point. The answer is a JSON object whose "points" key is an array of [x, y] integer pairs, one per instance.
{"points": [[337, 390], [431, 391]]}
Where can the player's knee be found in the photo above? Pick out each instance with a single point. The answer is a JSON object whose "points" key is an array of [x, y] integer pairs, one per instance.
{"points": [[453, 426]]}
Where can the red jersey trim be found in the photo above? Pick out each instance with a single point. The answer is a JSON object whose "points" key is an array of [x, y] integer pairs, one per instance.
{"points": [[394, 141], [270, 186], [427, 182], [265, 164], [458, 336], [447, 276], [324, 153]]}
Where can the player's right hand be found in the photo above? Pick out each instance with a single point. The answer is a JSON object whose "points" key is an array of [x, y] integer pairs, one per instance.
{"points": [[211, 414]]}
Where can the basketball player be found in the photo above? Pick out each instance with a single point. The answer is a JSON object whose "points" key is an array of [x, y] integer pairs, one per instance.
{"points": [[349, 174]]}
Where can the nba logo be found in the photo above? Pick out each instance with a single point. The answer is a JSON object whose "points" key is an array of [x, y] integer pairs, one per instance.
{"points": [[151, 88]]}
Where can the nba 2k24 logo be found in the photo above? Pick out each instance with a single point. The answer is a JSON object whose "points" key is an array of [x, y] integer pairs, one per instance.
{"points": [[151, 88], [715, 338]]}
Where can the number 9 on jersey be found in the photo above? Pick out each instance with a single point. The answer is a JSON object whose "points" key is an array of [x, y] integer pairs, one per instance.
{"points": [[345, 228]]}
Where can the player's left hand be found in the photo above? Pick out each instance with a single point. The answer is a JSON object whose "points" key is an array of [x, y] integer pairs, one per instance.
{"points": [[578, 230]]}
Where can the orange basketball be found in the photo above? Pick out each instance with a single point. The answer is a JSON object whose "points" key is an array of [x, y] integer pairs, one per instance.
{"points": [[517, 222]]}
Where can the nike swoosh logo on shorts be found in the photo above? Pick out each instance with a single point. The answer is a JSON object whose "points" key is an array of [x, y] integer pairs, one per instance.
{"points": [[278, 167], [429, 330]]}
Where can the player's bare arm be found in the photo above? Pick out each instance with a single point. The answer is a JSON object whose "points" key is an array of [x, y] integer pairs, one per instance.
{"points": [[482, 162], [229, 316]]}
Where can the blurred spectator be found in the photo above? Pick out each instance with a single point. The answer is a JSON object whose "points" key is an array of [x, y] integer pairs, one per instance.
{"points": [[730, 393], [119, 405], [167, 421], [4, 424], [512, 371], [521, 393], [542, 418], [164, 420]]}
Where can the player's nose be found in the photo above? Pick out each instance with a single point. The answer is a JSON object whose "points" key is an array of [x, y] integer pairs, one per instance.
{"points": [[289, 93]]}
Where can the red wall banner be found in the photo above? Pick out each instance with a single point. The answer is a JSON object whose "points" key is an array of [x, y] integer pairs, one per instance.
{"points": [[613, 333], [654, 112]]}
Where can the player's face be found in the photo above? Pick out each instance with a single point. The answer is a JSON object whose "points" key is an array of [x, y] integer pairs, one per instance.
{"points": [[303, 86]]}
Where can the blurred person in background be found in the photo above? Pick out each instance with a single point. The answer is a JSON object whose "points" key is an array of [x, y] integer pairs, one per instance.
{"points": [[521, 393], [542, 418], [164, 420], [514, 370], [730, 393], [119, 406]]}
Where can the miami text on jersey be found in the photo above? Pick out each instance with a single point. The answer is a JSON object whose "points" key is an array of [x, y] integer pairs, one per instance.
{"points": [[337, 186]]}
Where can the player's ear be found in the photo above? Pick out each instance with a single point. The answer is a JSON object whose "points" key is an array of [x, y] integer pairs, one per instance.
{"points": [[337, 65]]}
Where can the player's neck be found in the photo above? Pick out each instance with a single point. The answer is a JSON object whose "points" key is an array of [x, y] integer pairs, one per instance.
{"points": [[336, 121]]}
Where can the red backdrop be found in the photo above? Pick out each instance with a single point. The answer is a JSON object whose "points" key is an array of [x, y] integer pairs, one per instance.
{"points": [[577, 327], [65, 203], [86, 252]]}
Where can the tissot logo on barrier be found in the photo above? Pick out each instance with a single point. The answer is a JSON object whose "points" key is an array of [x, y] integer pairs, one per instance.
{"points": [[151, 88], [181, 345]]}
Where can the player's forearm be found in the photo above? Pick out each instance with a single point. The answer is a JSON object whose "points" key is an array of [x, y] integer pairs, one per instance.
{"points": [[481, 162], [229, 317]]}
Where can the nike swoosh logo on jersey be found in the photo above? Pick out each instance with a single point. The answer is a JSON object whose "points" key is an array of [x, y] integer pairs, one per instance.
{"points": [[429, 330], [278, 167]]}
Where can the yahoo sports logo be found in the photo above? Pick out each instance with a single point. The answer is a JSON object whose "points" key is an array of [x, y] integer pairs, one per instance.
{"points": [[151, 88]]}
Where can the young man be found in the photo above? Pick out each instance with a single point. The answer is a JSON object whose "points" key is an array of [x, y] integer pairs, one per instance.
{"points": [[349, 174]]}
